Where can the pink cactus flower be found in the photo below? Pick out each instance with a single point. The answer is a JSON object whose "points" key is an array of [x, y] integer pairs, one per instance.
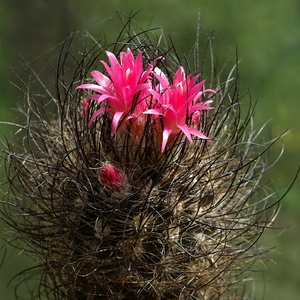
{"points": [[111, 177], [124, 90], [178, 104]]}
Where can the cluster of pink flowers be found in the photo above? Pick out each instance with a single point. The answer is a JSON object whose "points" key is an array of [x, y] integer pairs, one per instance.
{"points": [[131, 92]]}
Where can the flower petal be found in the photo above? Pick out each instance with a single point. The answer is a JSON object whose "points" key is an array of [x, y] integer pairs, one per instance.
{"points": [[100, 78], [93, 87], [154, 111], [116, 120], [96, 114], [199, 106], [196, 132], [184, 128], [166, 134]]}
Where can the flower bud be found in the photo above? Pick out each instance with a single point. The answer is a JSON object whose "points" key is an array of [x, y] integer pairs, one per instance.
{"points": [[112, 177]]}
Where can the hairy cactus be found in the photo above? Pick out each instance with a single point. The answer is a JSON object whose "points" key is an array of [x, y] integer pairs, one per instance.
{"points": [[128, 202]]}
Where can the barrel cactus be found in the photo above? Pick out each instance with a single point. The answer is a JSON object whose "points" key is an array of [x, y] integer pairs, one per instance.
{"points": [[137, 178]]}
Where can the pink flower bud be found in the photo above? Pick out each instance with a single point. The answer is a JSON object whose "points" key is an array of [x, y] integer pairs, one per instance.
{"points": [[85, 106], [111, 177]]}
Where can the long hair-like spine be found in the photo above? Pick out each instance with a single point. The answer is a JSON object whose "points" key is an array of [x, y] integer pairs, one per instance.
{"points": [[109, 215]]}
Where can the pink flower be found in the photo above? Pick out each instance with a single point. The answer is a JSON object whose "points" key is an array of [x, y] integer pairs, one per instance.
{"points": [[125, 90], [111, 177], [178, 104]]}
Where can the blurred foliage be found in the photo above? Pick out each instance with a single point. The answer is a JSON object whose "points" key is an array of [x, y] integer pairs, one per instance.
{"points": [[266, 34]]}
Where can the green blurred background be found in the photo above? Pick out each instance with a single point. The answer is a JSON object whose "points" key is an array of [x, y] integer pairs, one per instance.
{"points": [[267, 34]]}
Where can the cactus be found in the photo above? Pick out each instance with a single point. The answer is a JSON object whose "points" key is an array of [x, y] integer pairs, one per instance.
{"points": [[107, 212]]}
